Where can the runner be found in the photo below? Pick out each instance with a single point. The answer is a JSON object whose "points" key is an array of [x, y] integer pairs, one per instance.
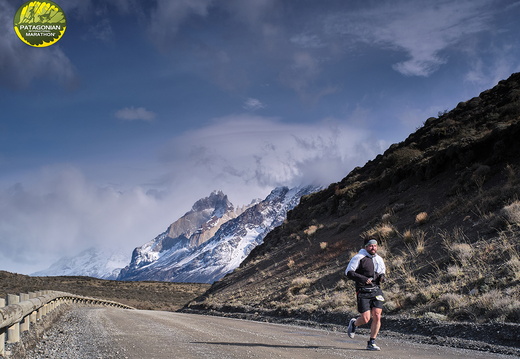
{"points": [[367, 269]]}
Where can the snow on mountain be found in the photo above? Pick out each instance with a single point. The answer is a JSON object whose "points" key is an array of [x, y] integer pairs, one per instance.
{"points": [[91, 262], [190, 231], [206, 243], [176, 256]]}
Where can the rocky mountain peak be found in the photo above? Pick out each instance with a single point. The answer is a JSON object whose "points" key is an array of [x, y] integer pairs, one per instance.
{"points": [[218, 245], [217, 202]]}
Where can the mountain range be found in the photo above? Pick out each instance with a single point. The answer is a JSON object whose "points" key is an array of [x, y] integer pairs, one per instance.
{"points": [[202, 246]]}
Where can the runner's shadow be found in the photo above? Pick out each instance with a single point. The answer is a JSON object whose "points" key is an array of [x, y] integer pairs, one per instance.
{"points": [[274, 345]]}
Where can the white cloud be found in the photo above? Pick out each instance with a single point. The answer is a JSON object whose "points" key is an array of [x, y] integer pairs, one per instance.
{"points": [[253, 13], [303, 76], [58, 211], [422, 29], [102, 30], [247, 154], [486, 74], [169, 15], [308, 41], [135, 114], [253, 104]]}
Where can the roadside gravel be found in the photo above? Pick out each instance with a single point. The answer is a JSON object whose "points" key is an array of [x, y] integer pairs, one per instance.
{"points": [[73, 335]]}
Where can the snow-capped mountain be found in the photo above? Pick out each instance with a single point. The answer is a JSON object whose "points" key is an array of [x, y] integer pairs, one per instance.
{"points": [[190, 231], [206, 243], [91, 262], [182, 255]]}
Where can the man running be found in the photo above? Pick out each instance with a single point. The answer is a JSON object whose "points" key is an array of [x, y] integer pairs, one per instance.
{"points": [[367, 269]]}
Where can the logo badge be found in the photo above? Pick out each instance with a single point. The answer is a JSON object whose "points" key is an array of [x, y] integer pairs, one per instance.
{"points": [[40, 23]]}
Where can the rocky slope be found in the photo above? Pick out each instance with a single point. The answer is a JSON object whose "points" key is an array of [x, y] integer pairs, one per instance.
{"points": [[444, 205]]}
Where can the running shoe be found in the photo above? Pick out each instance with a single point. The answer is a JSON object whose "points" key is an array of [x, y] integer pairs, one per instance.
{"points": [[372, 346], [351, 330]]}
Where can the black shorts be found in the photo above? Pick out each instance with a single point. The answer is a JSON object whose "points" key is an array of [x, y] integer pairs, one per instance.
{"points": [[368, 300]]}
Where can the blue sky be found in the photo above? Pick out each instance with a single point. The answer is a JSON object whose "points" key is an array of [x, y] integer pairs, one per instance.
{"points": [[143, 107]]}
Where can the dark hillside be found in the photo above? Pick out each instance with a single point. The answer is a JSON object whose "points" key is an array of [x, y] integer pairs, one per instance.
{"points": [[445, 203]]}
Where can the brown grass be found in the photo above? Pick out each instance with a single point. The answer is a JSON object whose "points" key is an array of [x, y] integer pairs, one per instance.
{"points": [[421, 218], [140, 295]]}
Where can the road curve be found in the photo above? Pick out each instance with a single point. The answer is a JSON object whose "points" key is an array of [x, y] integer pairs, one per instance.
{"points": [[116, 333]]}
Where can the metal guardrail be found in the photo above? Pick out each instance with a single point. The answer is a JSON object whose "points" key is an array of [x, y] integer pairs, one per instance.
{"points": [[26, 309]]}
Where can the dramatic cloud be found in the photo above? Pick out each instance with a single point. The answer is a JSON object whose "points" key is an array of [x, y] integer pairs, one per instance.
{"points": [[135, 114], [247, 153], [436, 27], [58, 212]]}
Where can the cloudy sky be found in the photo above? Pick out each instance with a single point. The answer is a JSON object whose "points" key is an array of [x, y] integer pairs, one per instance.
{"points": [[144, 107]]}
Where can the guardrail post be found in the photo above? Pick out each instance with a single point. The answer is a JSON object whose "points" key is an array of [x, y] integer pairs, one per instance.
{"points": [[39, 311], [32, 316], [13, 332], [24, 325], [2, 331]]}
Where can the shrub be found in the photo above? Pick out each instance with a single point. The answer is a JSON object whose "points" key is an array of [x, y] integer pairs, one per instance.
{"points": [[407, 236], [420, 242], [512, 213], [513, 267], [312, 229], [463, 252], [452, 301], [337, 300], [381, 231], [298, 284], [387, 218], [495, 305], [421, 218], [454, 272], [404, 156]]}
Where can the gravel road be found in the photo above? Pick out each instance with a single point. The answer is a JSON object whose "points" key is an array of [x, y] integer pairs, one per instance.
{"points": [[86, 332]]}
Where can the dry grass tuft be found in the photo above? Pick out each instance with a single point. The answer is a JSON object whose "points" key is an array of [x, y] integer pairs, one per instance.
{"points": [[421, 218], [420, 242], [387, 218], [312, 229], [299, 285], [407, 236], [382, 232], [512, 213], [513, 266], [336, 301]]}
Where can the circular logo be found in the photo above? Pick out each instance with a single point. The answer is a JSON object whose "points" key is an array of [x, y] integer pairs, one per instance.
{"points": [[40, 23]]}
